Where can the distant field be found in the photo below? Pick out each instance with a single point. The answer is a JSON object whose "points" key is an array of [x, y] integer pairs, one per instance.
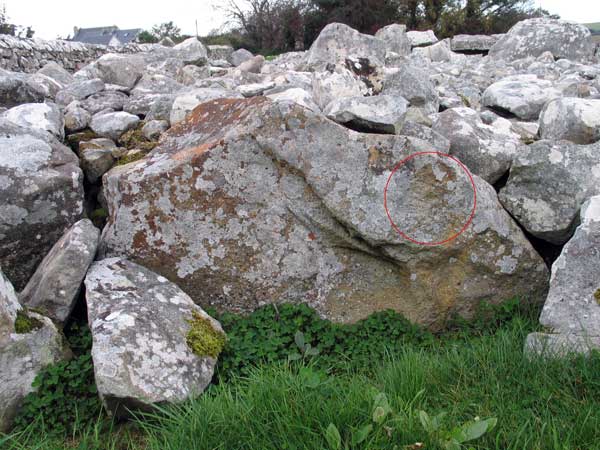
{"points": [[594, 27]]}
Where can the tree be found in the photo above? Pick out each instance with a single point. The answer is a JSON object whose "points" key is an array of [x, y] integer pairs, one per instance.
{"points": [[12, 29], [160, 31]]}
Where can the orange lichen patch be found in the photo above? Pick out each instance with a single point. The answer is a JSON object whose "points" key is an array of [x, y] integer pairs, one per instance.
{"points": [[193, 153], [216, 116]]}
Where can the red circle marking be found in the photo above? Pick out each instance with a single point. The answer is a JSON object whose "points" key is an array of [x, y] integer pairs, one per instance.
{"points": [[465, 226]]}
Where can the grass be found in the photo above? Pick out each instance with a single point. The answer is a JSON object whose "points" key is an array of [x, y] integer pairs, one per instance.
{"points": [[594, 27], [539, 404]]}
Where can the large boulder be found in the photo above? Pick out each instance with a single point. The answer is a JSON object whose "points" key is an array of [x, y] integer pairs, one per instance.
{"points": [[41, 196], [487, 150], [533, 37], [191, 51], [18, 88], [521, 95], [38, 116], [337, 41], [54, 286], [329, 86], [104, 100], [421, 38], [122, 70], [151, 343], [28, 343], [573, 119], [571, 313], [56, 72], [79, 90], [249, 202], [239, 56], [395, 39], [548, 183], [376, 114], [414, 85]]}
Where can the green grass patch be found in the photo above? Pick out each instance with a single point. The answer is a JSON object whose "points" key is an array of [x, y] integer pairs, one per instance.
{"points": [[289, 380]]}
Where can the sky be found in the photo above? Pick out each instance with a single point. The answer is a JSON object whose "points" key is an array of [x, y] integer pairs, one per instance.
{"points": [[56, 18]]}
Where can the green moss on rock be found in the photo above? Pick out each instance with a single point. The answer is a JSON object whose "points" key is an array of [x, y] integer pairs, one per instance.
{"points": [[597, 296], [130, 157], [26, 324], [203, 339], [134, 139]]}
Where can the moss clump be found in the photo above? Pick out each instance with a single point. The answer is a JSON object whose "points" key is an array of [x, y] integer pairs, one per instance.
{"points": [[130, 157], [597, 296], [203, 339], [25, 324], [134, 139]]}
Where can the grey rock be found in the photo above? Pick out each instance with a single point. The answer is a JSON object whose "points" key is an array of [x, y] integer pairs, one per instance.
{"points": [[156, 84], [252, 90], [9, 305], [188, 75], [487, 150], [21, 359], [139, 323], [329, 86], [38, 116], [54, 286], [114, 124], [240, 56], [533, 37], [252, 65], [421, 38], [79, 90], [95, 162], [472, 43], [100, 101], [395, 39], [573, 119], [186, 102], [337, 42], [76, 118], [414, 85], [254, 201], [123, 70], [295, 95], [425, 133], [152, 129], [56, 72], [381, 113], [571, 313], [438, 52], [521, 95], [191, 51], [41, 195], [141, 105], [219, 52], [16, 89], [548, 183]]}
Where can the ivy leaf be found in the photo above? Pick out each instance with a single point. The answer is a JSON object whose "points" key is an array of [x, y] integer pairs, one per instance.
{"points": [[333, 438]]}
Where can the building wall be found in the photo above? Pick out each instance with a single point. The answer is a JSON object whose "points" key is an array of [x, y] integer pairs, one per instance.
{"points": [[29, 55]]}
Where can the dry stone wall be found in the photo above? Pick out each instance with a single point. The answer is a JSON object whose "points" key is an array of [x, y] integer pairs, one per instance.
{"points": [[29, 55]]}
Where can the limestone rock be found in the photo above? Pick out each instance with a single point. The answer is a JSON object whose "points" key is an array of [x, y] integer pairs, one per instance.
{"points": [[252, 65], [337, 42], [395, 39], [38, 116], [188, 75], [41, 195], [54, 286], [56, 72], [295, 95], [380, 113], [239, 56], [252, 90], [139, 323], [79, 90], [249, 201], [191, 51], [122, 70], [573, 119], [521, 95], [572, 309], [329, 86], [152, 129], [114, 124], [101, 101], [76, 118], [472, 43], [186, 102], [16, 88], [414, 85], [9, 305], [421, 38], [533, 37], [486, 150], [548, 183], [95, 162]]}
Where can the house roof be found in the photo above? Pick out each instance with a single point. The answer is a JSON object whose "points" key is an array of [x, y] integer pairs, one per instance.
{"points": [[103, 35]]}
